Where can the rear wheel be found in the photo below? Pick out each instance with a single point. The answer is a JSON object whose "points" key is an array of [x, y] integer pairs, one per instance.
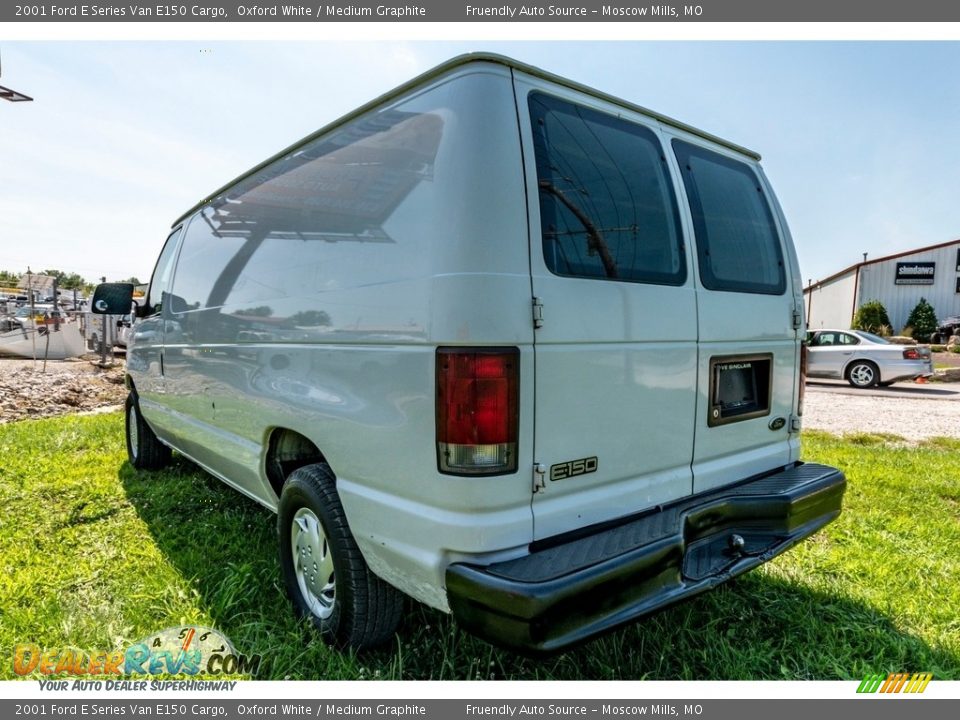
{"points": [[326, 577], [863, 374], [144, 450]]}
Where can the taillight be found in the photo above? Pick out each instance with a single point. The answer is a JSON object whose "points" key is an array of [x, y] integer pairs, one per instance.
{"points": [[477, 410], [911, 354], [803, 378]]}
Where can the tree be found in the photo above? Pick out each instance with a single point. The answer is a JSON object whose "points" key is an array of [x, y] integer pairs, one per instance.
{"points": [[9, 279], [922, 320], [310, 318], [66, 281], [872, 317]]}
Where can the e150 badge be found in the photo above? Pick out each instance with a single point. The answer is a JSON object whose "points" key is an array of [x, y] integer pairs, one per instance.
{"points": [[572, 468]]}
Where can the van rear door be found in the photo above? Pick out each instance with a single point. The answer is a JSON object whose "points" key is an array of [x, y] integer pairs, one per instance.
{"points": [[750, 315], [616, 353]]}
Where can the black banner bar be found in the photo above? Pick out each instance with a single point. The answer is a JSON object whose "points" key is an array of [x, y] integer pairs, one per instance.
{"points": [[215, 708], [486, 11]]}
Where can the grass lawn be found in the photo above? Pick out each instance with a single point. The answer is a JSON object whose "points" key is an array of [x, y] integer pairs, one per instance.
{"points": [[95, 556]]}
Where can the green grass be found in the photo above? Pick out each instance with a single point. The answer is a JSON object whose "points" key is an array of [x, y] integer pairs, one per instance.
{"points": [[94, 555]]}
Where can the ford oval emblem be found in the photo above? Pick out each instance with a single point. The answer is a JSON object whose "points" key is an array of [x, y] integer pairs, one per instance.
{"points": [[777, 423]]}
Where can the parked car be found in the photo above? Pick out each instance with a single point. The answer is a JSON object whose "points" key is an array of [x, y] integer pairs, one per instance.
{"points": [[864, 359], [482, 342], [946, 329]]}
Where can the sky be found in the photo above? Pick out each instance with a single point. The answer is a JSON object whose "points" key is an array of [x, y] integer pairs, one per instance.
{"points": [[857, 138]]}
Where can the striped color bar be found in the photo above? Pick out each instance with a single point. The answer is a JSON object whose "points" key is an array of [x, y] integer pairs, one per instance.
{"points": [[895, 683]]}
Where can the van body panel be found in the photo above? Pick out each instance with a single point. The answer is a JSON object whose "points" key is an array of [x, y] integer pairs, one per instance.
{"points": [[326, 321], [490, 206], [735, 324], [615, 361]]}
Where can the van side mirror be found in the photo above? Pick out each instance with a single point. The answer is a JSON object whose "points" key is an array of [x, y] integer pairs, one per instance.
{"points": [[112, 299]]}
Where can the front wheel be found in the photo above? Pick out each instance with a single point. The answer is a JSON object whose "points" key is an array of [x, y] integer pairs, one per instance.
{"points": [[326, 577], [863, 374], [144, 450]]}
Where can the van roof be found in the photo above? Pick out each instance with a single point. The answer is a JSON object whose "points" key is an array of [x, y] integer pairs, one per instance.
{"points": [[443, 68]]}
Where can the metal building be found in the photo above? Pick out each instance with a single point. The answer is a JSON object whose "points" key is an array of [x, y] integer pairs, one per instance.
{"points": [[898, 281]]}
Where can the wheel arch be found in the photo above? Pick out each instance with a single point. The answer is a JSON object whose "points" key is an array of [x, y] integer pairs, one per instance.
{"points": [[286, 451]]}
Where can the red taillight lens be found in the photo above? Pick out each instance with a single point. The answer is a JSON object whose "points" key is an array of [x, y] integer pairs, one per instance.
{"points": [[803, 378], [911, 354], [477, 410]]}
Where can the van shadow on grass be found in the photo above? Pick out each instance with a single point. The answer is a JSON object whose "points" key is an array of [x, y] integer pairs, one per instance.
{"points": [[757, 627]]}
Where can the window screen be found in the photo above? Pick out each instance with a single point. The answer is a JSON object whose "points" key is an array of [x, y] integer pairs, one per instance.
{"points": [[738, 248], [607, 208]]}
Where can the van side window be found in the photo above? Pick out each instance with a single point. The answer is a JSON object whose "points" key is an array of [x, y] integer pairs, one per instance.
{"points": [[607, 207], [738, 249], [163, 272]]}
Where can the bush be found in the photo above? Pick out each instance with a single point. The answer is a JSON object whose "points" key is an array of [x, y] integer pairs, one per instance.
{"points": [[872, 317], [922, 320]]}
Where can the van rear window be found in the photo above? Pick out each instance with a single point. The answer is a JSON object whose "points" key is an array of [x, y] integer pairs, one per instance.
{"points": [[607, 207], [738, 248]]}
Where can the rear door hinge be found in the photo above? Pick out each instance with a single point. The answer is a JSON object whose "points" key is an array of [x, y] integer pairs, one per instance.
{"points": [[797, 314], [796, 424], [539, 473], [537, 313]]}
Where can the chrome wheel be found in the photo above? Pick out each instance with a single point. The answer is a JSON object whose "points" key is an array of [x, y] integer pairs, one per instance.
{"points": [[313, 562], [863, 375]]}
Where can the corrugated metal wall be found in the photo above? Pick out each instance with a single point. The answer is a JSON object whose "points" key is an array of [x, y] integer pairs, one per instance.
{"points": [[831, 305], [877, 282]]}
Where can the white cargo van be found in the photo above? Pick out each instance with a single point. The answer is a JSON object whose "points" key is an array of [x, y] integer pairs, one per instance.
{"points": [[523, 351]]}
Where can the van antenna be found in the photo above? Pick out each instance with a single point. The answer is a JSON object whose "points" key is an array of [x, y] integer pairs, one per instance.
{"points": [[12, 95]]}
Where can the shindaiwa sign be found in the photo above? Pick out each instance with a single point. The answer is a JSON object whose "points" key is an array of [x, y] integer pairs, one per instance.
{"points": [[915, 273]]}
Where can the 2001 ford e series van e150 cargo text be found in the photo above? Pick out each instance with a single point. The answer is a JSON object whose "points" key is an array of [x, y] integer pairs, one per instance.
{"points": [[523, 351]]}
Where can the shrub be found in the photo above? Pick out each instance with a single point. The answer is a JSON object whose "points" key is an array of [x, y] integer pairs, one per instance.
{"points": [[922, 320], [872, 317]]}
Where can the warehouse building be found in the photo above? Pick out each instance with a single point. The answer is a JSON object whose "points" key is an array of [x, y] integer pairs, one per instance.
{"points": [[898, 281]]}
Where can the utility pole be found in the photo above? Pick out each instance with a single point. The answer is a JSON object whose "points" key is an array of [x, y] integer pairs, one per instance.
{"points": [[103, 336], [33, 315]]}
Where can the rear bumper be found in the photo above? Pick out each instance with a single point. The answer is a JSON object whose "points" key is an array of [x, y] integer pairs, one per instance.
{"points": [[568, 592], [905, 370]]}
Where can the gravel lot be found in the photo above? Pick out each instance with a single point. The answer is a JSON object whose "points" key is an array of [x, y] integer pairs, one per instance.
{"points": [[68, 386], [913, 419]]}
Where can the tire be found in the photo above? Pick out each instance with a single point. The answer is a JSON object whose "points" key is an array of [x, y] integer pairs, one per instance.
{"points": [[326, 577], [144, 450], [863, 374]]}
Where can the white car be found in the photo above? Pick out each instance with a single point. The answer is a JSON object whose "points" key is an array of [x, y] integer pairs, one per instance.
{"points": [[864, 359]]}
